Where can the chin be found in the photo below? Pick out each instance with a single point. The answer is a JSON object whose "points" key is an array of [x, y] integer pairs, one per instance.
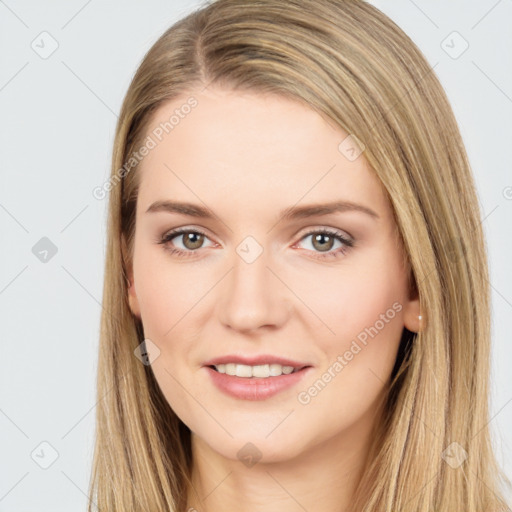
{"points": [[252, 447]]}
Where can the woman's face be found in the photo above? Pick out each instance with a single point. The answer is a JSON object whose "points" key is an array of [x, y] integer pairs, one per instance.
{"points": [[246, 280]]}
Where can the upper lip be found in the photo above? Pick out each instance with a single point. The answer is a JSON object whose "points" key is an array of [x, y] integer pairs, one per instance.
{"points": [[255, 360]]}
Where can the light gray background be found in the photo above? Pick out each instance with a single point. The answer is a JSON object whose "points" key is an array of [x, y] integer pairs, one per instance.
{"points": [[58, 116]]}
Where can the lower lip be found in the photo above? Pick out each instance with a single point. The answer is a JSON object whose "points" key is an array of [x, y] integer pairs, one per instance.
{"points": [[255, 388]]}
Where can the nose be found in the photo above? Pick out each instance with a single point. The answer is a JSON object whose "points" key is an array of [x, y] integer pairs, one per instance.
{"points": [[252, 296]]}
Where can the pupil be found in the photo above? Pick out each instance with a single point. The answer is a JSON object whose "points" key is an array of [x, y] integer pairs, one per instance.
{"points": [[189, 240], [320, 237]]}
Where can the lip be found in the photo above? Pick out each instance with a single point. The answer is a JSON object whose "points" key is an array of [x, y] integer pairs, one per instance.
{"points": [[255, 388], [255, 360]]}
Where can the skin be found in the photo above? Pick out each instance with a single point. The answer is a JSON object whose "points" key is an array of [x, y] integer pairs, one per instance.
{"points": [[247, 156]]}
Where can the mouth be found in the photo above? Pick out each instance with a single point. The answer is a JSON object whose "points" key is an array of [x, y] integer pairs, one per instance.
{"points": [[261, 371], [259, 382]]}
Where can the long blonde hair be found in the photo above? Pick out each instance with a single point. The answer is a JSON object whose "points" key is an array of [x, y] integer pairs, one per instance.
{"points": [[363, 74]]}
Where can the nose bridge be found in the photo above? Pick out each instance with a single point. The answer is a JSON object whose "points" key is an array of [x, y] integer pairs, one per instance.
{"points": [[252, 296]]}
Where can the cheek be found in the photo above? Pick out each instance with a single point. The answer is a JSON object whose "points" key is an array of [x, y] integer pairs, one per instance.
{"points": [[363, 309], [358, 298], [166, 292]]}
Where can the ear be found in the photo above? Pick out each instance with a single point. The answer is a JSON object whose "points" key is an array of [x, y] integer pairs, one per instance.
{"points": [[414, 317], [132, 295], [130, 281]]}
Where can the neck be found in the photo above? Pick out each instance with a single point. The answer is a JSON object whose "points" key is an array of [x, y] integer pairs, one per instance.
{"points": [[321, 477]]}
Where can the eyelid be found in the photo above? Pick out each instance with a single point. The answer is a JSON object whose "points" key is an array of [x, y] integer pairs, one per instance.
{"points": [[344, 238], [176, 232], [319, 228], [301, 233]]}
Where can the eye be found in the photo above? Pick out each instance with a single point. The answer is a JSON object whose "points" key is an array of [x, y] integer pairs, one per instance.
{"points": [[323, 240], [192, 239]]}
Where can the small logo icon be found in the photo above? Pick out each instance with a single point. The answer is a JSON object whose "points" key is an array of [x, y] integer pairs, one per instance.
{"points": [[147, 352], [44, 45], [507, 192], [351, 147], [249, 249], [454, 45], [454, 455], [249, 455], [44, 455], [44, 250]]}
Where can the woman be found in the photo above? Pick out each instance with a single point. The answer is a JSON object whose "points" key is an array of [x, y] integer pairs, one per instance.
{"points": [[296, 297]]}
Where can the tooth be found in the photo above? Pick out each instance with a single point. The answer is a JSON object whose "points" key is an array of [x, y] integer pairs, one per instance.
{"points": [[242, 370], [257, 371], [275, 370], [262, 370], [231, 368]]}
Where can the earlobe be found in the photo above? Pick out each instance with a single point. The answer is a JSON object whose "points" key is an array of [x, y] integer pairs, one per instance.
{"points": [[414, 317]]}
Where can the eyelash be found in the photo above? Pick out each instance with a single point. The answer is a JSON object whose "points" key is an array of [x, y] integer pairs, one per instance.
{"points": [[347, 243]]}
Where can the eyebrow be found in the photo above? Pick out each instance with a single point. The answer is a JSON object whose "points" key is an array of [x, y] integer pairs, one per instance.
{"points": [[291, 213]]}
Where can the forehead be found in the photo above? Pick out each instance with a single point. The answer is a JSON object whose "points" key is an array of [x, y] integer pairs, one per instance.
{"points": [[255, 150]]}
